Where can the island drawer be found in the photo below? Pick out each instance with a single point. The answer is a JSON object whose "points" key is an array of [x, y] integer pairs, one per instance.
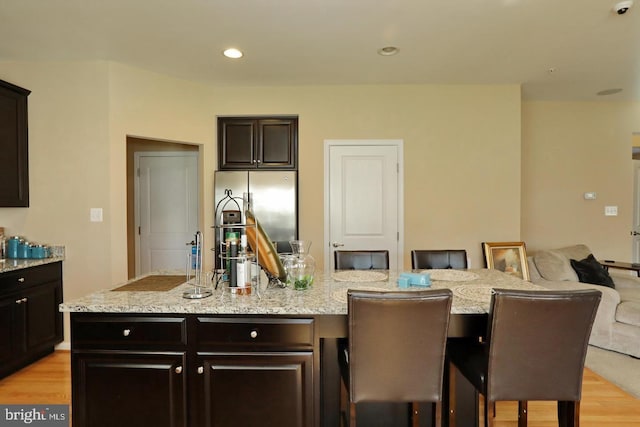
{"points": [[216, 333], [124, 331]]}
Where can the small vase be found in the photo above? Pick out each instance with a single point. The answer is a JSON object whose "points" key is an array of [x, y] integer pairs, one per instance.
{"points": [[300, 266]]}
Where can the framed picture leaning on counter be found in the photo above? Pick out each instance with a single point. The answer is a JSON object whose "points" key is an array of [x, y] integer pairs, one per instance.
{"points": [[510, 257]]}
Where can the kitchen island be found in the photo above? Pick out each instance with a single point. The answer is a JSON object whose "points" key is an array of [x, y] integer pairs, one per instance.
{"points": [[155, 358]]}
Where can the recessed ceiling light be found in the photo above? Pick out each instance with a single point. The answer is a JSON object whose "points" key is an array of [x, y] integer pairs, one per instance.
{"points": [[232, 53], [609, 92], [388, 51]]}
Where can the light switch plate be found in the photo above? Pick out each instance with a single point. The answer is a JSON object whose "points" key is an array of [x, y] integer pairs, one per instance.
{"points": [[590, 195], [95, 215], [611, 211]]}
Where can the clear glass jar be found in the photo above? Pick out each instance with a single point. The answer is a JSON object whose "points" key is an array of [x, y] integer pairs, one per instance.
{"points": [[300, 266]]}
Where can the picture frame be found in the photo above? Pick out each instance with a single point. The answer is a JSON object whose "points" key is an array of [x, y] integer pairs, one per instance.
{"points": [[509, 257]]}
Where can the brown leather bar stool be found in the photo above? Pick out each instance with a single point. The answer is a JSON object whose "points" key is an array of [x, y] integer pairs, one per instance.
{"points": [[535, 350], [396, 349], [361, 260], [445, 258]]}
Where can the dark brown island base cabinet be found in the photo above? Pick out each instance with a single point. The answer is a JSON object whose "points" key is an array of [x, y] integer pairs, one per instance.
{"points": [[14, 151], [192, 370], [30, 322], [269, 143]]}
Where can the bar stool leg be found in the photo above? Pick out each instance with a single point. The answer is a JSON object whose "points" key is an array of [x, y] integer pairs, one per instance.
{"points": [[415, 414], [522, 413], [352, 414]]}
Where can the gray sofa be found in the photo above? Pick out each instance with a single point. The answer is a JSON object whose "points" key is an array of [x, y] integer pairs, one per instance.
{"points": [[617, 323]]}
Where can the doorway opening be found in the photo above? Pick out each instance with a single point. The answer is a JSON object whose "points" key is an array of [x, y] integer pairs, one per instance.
{"points": [[137, 147]]}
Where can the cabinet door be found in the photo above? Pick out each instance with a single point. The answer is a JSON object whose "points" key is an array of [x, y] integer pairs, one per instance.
{"points": [[9, 343], [257, 389], [43, 319], [237, 143], [127, 389], [14, 166], [277, 143], [257, 143]]}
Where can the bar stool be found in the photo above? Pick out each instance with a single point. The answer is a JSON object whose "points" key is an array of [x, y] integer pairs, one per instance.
{"points": [[445, 258], [361, 260], [535, 350], [396, 349]]}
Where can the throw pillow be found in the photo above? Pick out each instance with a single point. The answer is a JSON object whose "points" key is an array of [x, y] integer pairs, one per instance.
{"points": [[589, 270], [554, 266]]}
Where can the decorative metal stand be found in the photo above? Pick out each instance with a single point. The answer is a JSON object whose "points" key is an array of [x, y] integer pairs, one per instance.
{"points": [[224, 255], [198, 291]]}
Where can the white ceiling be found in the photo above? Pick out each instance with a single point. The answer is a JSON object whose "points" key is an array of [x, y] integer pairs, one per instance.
{"points": [[316, 42]]}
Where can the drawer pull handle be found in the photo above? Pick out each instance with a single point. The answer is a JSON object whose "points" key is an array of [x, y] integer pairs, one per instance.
{"points": [[126, 332], [201, 369], [21, 280], [179, 370], [253, 334]]}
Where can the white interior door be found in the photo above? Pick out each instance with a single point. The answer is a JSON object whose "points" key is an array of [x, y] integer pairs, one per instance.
{"points": [[363, 198], [166, 209]]}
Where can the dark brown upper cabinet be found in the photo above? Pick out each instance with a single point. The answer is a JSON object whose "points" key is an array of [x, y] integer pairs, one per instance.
{"points": [[257, 143], [14, 150]]}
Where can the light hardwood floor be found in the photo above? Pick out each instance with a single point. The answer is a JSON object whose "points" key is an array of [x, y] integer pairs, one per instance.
{"points": [[48, 381]]}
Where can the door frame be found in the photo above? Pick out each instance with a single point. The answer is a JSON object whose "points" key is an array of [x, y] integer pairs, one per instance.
{"points": [[398, 143], [136, 197], [635, 226]]}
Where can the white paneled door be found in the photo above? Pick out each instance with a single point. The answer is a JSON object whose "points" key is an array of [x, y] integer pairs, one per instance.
{"points": [[166, 209], [363, 198]]}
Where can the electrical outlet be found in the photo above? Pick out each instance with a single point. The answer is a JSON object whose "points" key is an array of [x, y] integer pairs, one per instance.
{"points": [[611, 211]]}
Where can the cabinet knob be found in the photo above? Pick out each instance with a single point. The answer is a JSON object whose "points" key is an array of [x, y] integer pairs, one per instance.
{"points": [[259, 161], [178, 369], [18, 301], [253, 334], [24, 299], [21, 280], [201, 369], [126, 332]]}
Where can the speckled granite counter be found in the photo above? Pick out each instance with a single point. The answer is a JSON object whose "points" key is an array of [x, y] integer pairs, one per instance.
{"points": [[327, 296], [7, 265]]}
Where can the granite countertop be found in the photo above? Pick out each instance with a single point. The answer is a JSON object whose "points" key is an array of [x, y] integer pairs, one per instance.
{"points": [[327, 296], [7, 265]]}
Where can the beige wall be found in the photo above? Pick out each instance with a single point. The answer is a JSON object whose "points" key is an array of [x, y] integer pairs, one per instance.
{"points": [[569, 149], [461, 153], [466, 179]]}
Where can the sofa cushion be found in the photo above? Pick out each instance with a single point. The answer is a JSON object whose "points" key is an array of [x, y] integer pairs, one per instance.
{"points": [[553, 265], [534, 274], [589, 270], [628, 312], [579, 251]]}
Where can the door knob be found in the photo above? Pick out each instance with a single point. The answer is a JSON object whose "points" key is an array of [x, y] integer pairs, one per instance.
{"points": [[337, 245], [635, 233]]}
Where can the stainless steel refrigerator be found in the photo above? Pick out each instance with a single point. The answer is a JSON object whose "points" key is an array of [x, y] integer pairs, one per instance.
{"points": [[273, 198]]}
